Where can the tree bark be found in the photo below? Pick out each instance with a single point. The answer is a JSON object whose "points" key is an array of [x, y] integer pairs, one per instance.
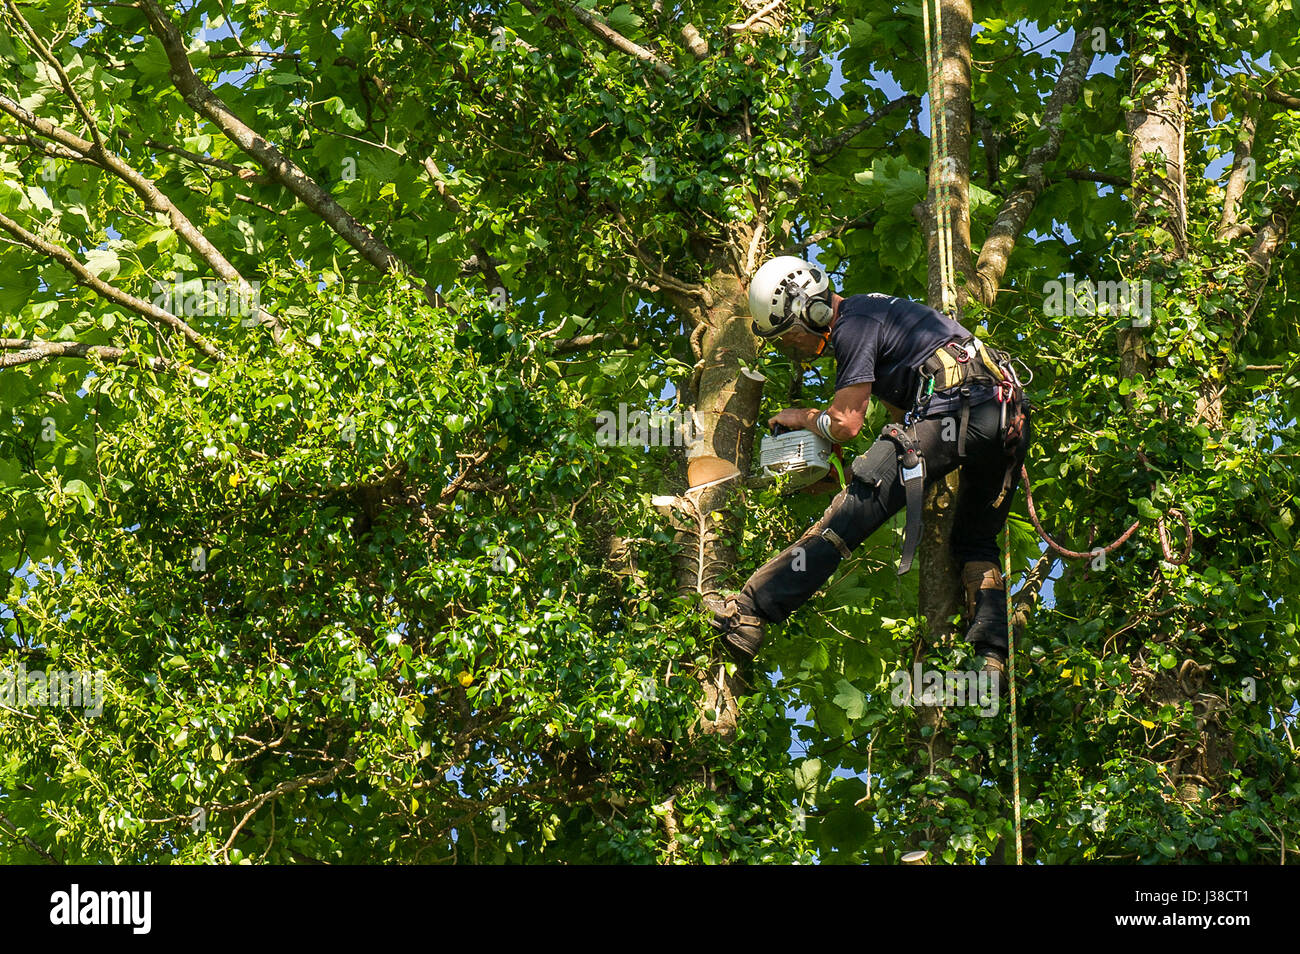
{"points": [[1157, 127], [939, 592], [939, 586], [1014, 214], [724, 396]]}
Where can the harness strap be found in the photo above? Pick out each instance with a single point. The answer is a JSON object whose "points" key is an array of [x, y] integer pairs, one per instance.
{"points": [[911, 468], [837, 541], [1015, 407], [965, 420], [961, 364]]}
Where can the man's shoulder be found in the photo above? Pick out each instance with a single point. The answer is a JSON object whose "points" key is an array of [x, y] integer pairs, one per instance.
{"points": [[889, 309], [867, 305], [870, 300]]}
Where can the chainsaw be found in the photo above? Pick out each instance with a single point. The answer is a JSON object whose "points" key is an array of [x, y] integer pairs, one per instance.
{"points": [[802, 455]]}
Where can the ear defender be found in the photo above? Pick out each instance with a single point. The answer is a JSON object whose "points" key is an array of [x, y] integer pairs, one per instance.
{"points": [[814, 310]]}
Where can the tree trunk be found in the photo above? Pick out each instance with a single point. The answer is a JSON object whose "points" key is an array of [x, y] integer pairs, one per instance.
{"points": [[1156, 132], [1157, 127], [939, 591], [725, 394]]}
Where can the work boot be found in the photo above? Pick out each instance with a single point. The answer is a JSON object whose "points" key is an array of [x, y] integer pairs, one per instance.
{"points": [[739, 624], [997, 665], [986, 610]]}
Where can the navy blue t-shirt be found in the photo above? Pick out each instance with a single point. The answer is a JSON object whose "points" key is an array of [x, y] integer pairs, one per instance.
{"points": [[883, 339]]}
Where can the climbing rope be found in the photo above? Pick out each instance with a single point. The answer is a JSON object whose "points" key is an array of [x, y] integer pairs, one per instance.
{"points": [[1170, 557], [940, 169], [1165, 543], [940, 163], [1011, 679]]}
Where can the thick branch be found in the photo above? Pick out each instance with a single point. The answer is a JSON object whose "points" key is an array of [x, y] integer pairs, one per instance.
{"points": [[1272, 232], [698, 46], [1242, 166], [620, 42], [1010, 222], [29, 350], [1270, 238], [759, 21], [1282, 99], [1157, 125], [583, 342], [278, 166], [84, 276], [1239, 80]]}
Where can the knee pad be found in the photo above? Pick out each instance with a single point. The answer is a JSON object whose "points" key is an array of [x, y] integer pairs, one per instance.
{"points": [[879, 463]]}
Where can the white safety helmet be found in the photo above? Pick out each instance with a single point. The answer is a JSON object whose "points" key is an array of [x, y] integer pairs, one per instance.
{"points": [[788, 290]]}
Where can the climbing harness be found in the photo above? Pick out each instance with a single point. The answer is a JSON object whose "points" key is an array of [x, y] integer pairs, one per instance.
{"points": [[958, 365], [963, 364]]}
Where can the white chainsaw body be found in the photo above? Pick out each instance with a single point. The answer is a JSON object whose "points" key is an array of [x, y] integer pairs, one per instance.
{"points": [[802, 455]]}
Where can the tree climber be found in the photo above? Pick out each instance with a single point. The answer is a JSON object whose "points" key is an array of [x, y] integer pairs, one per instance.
{"points": [[966, 409]]}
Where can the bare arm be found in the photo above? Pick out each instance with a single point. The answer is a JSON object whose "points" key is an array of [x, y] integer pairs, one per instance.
{"points": [[847, 412]]}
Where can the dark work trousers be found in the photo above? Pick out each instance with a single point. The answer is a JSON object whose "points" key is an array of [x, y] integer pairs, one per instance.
{"points": [[789, 579]]}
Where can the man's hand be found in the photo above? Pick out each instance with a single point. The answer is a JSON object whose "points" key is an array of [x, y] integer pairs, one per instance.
{"points": [[847, 413], [795, 418]]}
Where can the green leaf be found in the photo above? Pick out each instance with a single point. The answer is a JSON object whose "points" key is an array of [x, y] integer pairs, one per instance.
{"points": [[103, 263], [30, 512], [806, 774], [78, 489], [624, 20], [849, 698]]}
